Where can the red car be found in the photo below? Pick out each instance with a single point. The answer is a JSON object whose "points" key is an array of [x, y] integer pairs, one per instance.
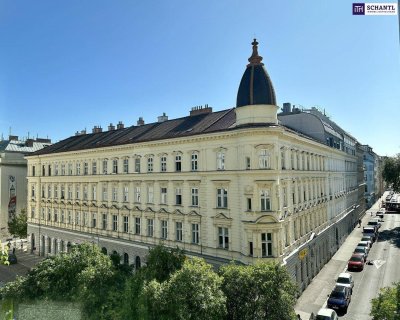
{"points": [[356, 262]]}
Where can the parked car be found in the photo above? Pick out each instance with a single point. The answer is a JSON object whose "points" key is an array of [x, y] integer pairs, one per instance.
{"points": [[381, 213], [361, 250], [12, 258], [374, 223], [368, 239], [345, 279], [364, 244], [326, 314], [370, 231], [356, 262], [339, 298]]}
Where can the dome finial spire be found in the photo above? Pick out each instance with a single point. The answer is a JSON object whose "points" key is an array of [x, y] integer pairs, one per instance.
{"points": [[255, 58]]}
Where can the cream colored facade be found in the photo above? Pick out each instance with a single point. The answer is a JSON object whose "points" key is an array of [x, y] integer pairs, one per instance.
{"points": [[289, 181]]}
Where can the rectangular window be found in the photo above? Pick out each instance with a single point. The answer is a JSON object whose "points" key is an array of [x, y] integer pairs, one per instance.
{"points": [[283, 159], [223, 238], [62, 216], [105, 193], [43, 192], [265, 200], [163, 199], [43, 213], [264, 159], [104, 221], [137, 194], [49, 191], [164, 229], [43, 171], [150, 227], [56, 191], [126, 165], [48, 215], [150, 164], [63, 169], [94, 192], [249, 204], [137, 165], [220, 160], [248, 163], [56, 169], [195, 196], [94, 167], [85, 192], [126, 224], [77, 218], [70, 192], [77, 192], [126, 194], [195, 233], [70, 169], [194, 162], [178, 231], [150, 194], [178, 196], [33, 191], [137, 225], [115, 166], [266, 244], [33, 170], [222, 198], [178, 162], [62, 191], [78, 169], [69, 216], [105, 166], [163, 164], [55, 215], [251, 250], [85, 168], [94, 220], [84, 219], [114, 193], [115, 222]]}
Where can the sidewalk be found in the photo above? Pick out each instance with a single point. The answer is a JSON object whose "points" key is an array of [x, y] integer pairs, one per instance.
{"points": [[315, 295]]}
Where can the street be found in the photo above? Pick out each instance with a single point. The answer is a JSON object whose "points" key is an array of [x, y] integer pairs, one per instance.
{"points": [[382, 272]]}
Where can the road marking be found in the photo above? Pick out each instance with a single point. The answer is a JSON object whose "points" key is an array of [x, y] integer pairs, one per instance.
{"points": [[379, 263]]}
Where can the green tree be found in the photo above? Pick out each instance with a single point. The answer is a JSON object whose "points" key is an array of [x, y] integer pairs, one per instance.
{"points": [[4, 254], [193, 292], [391, 172], [161, 263], [18, 225], [261, 291], [387, 305], [85, 275]]}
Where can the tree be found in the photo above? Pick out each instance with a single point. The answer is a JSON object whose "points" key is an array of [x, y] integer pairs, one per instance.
{"points": [[85, 275], [161, 263], [18, 225], [391, 172], [4, 254], [387, 305], [261, 291], [193, 292]]}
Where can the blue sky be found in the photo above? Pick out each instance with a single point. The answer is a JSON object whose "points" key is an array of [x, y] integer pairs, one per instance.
{"points": [[70, 65]]}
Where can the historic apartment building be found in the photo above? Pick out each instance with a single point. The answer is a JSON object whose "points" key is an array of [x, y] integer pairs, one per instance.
{"points": [[13, 171], [236, 184]]}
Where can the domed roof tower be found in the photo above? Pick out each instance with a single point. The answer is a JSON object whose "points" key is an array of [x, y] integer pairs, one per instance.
{"points": [[256, 101]]}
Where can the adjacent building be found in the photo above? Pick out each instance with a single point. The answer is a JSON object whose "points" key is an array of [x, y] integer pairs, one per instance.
{"points": [[239, 184], [13, 171]]}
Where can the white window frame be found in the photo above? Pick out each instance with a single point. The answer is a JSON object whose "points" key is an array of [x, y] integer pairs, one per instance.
{"points": [[164, 229], [163, 195], [220, 160], [222, 198], [223, 238], [195, 233], [179, 231], [194, 195], [194, 162], [265, 200], [163, 164], [266, 244], [150, 227]]}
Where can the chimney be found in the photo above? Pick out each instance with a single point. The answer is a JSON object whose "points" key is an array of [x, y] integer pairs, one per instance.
{"points": [[120, 125], [140, 122], [29, 142], [83, 131], [111, 127], [162, 118], [200, 110], [97, 129], [13, 138]]}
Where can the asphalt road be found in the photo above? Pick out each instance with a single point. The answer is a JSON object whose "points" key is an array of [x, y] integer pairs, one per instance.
{"points": [[384, 270]]}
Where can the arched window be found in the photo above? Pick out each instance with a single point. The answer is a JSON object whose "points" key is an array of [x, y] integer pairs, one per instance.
{"points": [[126, 258], [137, 263]]}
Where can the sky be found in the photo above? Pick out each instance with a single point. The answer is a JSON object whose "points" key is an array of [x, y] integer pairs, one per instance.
{"points": [[71, 65]]}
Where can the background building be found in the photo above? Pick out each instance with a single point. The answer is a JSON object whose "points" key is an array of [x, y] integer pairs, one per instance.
{"points": [[13, 192], [238, 184]]}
